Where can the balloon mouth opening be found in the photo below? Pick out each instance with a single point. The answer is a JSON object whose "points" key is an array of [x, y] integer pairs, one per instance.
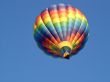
{"points": [[65, 49]]}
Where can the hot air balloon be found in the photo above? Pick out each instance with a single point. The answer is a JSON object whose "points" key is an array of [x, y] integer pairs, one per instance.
{"points": [[61, 30]]}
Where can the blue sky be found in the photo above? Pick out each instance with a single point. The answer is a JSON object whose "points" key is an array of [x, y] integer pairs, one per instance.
{"points": [[22, 61]]}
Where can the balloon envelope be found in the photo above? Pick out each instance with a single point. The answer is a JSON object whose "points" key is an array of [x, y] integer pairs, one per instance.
{"points": [[61, 30]]}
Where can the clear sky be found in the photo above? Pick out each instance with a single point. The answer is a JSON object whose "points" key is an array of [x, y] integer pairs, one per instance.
{"points": [[22, 61]]}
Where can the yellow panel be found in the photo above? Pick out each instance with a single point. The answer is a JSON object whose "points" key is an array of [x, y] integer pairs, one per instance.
{"points": [[64, 43]]}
